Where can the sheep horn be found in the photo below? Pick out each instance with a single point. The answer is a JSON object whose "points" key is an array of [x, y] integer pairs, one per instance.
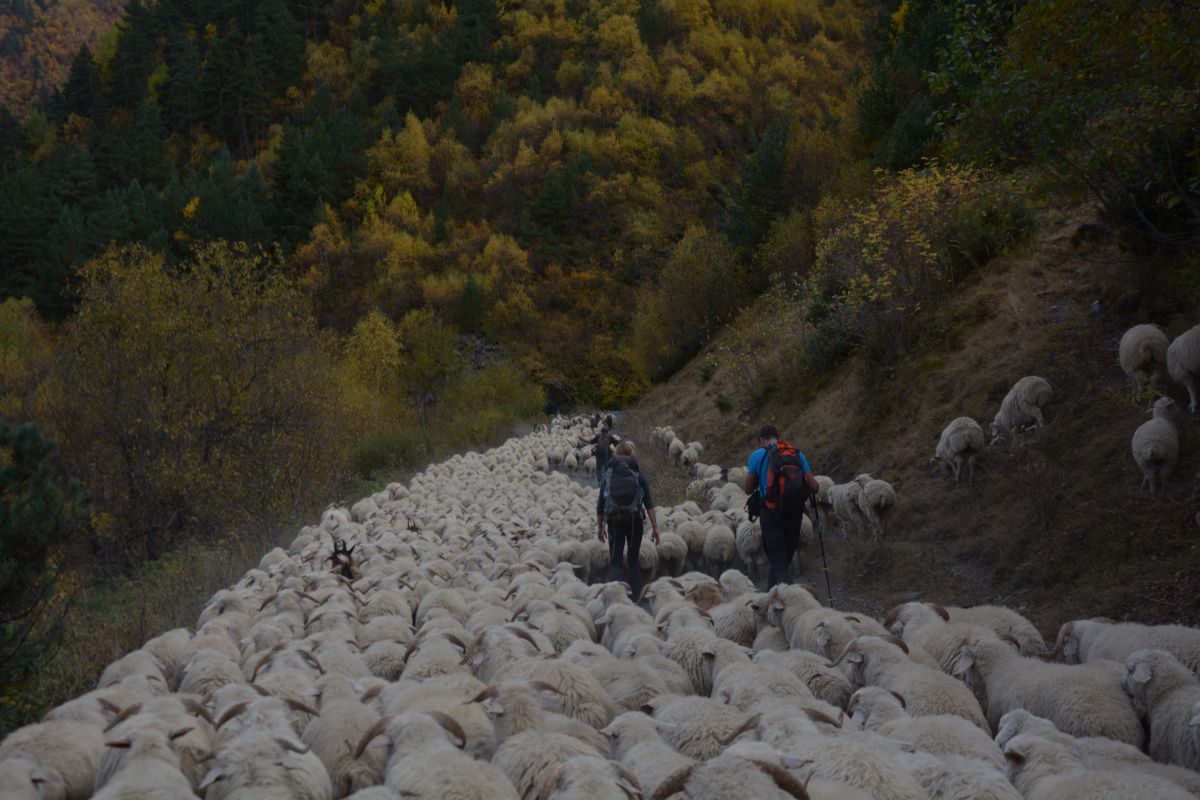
{"points": [[783, 779], [125, 714], [287, 744], [1011, 640], [1063, 633], [371, 694], [891, 617], [900, 697], [817, 716], [375, 730], [486, 694], [197, 709], [674, 784], [303, 708], [231, 712], [941, 611], [745, 726], [896, 641], [450, 725]]}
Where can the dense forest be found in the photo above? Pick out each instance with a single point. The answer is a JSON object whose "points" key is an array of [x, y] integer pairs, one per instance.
{"points": [[252, 250], [38, 39]]}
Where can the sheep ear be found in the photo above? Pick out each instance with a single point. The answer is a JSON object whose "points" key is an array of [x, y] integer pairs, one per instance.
{"points": [[709, 651], [120, 744], [1142, 673], [964, 662], [940, 611], [37, 778], [215, 774], [179, 733], [1014, 758], [823, 638]]}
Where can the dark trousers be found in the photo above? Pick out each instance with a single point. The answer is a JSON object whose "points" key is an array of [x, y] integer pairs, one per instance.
{"points": [[601, 466], [781, 537], [624, 544]]}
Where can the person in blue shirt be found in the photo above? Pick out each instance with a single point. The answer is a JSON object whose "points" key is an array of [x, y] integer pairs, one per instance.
{"points": [[780, 531]]}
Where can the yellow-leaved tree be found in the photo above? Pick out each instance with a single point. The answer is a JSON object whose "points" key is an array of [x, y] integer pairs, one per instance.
{"points": [[192, 397], [372, 355]]}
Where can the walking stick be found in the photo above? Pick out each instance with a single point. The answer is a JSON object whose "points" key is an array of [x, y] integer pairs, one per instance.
{"points": [[821, 540]]}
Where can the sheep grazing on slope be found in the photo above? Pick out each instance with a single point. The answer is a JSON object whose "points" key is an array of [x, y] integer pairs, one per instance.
{"points": [[843, 502], [1022, 406], [1155, 445], [1143, 354], [960, 444], [1183, 364], [876, 502]]}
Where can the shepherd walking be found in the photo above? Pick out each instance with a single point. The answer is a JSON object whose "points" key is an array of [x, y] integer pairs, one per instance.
{"points": [[779, 477], [624, 495]]}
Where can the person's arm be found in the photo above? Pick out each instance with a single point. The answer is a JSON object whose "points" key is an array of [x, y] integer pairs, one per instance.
{"points": [[811, 480], [600, 516], [653, 524], [750, 483]]}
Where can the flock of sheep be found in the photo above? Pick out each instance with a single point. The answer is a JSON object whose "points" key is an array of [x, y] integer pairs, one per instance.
{"points": [[457, 638], [1144, 352]]}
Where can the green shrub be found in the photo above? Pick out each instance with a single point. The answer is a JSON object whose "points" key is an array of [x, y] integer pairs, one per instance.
{"points": [[707, 369], [723, 403]]}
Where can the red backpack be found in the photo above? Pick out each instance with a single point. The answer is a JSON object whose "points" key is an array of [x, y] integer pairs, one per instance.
{"points": [[787, 491]]}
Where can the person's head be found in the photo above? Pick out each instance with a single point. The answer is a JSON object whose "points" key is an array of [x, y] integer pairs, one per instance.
{"points": [[604, 429], [767, 434], [625, 448]]}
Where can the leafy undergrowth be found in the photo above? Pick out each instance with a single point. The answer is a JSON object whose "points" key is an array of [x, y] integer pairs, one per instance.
{"points": [[1055, 523]]}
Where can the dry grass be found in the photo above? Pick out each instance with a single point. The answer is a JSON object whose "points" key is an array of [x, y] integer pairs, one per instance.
{"points": [[1055, 523]]}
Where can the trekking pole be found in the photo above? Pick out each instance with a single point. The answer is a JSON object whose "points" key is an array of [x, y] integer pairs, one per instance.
{"points": [[821, 540]]}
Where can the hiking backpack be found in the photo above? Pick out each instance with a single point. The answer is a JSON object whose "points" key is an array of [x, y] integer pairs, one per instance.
{"points": [[603, 443], [787, 491], [622, 489]]}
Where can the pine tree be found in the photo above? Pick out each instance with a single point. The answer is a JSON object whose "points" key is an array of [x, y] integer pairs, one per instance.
{"points": [[760, 189], [182, 99], [41, 511], [81, 93]]}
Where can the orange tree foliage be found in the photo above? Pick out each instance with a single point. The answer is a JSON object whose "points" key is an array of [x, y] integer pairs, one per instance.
{"points": [[191, 397]]}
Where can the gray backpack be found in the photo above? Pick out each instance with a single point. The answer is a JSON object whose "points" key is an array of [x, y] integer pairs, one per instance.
{"points": [[622, 489]]}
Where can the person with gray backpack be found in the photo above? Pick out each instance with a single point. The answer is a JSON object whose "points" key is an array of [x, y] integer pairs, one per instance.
{"points": [[624, 495]]}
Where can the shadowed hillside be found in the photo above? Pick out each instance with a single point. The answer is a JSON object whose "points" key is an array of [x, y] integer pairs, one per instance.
{"points": [[1055, 522]]}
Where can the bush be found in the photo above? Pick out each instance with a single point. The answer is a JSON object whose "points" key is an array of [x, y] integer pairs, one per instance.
{"points": [[696, 292], [188, 399], [882, 262]]}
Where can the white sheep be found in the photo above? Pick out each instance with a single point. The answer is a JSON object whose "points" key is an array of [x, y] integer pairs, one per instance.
{"points": [[67, 754], [886, 713], [1155, 445], [636, 743], [1004, 622], [151, 771], [1046, 770], [843, 503], [876, 503], [874, 661], [1183, 364], [1083, 700], [1143, 354], [1096, 752], [1022, 406], [960, 444], [1090, 639], [1169, 692], [699, 727]]}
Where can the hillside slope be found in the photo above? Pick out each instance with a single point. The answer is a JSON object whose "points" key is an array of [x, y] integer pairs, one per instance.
{"points": [[1055, 522], [38, 40]]}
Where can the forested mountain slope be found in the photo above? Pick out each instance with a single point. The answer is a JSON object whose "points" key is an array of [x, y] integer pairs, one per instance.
{"points": [[38, 39]]}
